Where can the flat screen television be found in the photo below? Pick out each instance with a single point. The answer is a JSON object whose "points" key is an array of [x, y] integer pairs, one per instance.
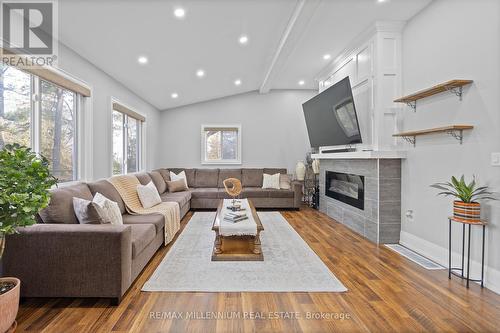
{"points": [[331, 117]]}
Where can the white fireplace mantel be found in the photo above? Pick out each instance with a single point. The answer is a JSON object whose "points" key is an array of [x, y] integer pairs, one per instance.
{"points": [[375, 154]]}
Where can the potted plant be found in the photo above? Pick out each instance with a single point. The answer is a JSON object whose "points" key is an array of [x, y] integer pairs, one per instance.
{"points": [[25, 181], [466, 208]]}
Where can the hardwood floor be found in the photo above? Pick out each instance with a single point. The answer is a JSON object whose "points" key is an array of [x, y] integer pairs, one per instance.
{"points": [[386, 293]]}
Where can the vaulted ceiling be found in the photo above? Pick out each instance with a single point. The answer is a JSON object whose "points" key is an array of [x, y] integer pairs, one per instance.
{"points": [[287, 40]]}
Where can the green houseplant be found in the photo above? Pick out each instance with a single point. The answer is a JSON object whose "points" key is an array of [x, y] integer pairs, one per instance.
{"points": [[466, 207], [25, 181]]}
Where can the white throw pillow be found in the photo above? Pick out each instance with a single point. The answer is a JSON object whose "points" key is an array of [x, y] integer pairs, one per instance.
{"points": [[181, 175], [148, 194], [271, 181], [108, 210]]}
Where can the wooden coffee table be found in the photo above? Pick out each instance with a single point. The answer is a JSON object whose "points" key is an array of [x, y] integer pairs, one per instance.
{"points": [[237, 248]]}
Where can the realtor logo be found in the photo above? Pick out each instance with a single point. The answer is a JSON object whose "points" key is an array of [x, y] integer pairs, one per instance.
{"points": [[29, 30]]}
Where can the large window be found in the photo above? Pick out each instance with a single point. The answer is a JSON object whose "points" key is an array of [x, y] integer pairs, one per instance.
{"points": [[221, 144], [41, 115], [127, 130]]}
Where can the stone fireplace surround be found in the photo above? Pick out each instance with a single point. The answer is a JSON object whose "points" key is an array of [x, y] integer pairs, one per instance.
{"points": [[380, 221]]}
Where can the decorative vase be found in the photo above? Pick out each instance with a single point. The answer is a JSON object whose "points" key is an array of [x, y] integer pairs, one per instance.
{"points": [[467, 212], [315, 166], [300, 170], [9, 305]]}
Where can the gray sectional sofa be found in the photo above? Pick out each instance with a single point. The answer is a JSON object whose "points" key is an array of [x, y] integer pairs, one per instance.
{"points": [[58, 257]]}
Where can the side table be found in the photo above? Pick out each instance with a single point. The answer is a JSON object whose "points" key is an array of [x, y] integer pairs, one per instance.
{"points": [[453, 270]]}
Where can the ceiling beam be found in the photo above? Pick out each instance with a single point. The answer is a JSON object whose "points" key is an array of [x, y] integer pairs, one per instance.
{"points": [[266, 83]]}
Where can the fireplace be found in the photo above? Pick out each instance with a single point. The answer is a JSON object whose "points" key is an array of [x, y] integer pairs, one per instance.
{"points": [[348, 188]]}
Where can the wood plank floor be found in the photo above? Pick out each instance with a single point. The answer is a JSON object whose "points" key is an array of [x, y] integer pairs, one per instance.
{"points": [[387, 293]]}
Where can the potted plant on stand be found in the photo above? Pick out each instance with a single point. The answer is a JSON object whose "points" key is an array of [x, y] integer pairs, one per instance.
{"points": [[25, 181], [467, 207]]}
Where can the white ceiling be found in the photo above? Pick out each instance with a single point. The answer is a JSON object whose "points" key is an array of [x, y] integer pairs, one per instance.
{"points": [[112, 34]]}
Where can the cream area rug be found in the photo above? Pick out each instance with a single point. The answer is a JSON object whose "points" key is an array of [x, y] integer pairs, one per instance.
{"points": [[289, 265]]}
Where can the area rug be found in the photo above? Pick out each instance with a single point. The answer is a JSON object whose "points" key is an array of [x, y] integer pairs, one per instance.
{"points": [[289, 265]]}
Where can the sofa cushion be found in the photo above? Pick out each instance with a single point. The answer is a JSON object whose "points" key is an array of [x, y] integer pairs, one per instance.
{"points": [[205, 192], [255, 192], [278, 193], [178, 185], [143, 177], [155, 219], [182, 198], [228, 173], [108, 190], [251, 177], [207, 177], [272, 171], [164, 173], [223, 194], [60, 208], [160, 183], [142, 235], [190, 173]]}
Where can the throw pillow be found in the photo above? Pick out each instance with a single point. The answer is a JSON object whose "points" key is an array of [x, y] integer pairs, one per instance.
{"points": [[177, 185], [181, 175], [271, 181], [86, 212], [108, 209], [285, 182], [148, 195], [160, 183]]}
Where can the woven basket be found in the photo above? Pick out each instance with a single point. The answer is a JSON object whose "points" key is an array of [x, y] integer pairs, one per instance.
{"points": [[467, 212]]}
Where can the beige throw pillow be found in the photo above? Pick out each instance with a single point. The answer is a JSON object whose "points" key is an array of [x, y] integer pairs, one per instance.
{"points": [[177, 185], [285, 182], [181, 175], [86, 211], [108, 209], [271, 181], [148, 195]]}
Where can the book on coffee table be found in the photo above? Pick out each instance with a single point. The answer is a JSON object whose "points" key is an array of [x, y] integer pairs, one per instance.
{"points": [[235, 217]]}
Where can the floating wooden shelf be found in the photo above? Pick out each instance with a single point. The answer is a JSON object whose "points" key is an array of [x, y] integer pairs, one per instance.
{"points": [[453, 86], [455, 131]]}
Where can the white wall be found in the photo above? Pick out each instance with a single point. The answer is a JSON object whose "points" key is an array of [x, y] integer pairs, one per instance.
{"points": [[452, 39], [103, 88], [273, 129]]}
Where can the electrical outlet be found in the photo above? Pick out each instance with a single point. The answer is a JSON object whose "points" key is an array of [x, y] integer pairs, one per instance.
{"points": [[495, 159], [409, 215]]}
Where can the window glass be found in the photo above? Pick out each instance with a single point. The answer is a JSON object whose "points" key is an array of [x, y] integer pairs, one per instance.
{"points": [[15, 107], [132, 151], [57, 132], [118, 164]]}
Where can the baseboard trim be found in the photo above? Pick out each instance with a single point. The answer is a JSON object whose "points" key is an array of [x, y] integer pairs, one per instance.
{"points": [[440, 255]]}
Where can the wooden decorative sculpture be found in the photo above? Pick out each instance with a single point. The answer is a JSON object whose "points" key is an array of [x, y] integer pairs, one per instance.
{"points": [[233, 187]]}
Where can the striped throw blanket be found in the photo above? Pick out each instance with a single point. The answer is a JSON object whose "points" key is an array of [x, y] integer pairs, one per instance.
{"points": [[126, 185]]}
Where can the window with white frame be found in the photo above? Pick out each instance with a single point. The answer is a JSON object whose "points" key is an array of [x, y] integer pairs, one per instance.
{"points": [[41, 115], [221, 144], [127, 140]]}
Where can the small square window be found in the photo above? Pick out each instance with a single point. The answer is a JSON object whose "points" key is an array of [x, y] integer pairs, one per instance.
{"points": [[221, 144]]}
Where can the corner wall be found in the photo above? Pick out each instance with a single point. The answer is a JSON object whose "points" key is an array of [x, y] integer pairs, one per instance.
{"points": [[273, 129], [452, 39]]}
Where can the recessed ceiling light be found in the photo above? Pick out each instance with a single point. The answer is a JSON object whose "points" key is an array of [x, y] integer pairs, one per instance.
{"points": [[327, 56], [237, 82], [301, 82], [200, 73], [142, 60], [243, 39], [382, 1], [179, 13], [174, 95]]}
